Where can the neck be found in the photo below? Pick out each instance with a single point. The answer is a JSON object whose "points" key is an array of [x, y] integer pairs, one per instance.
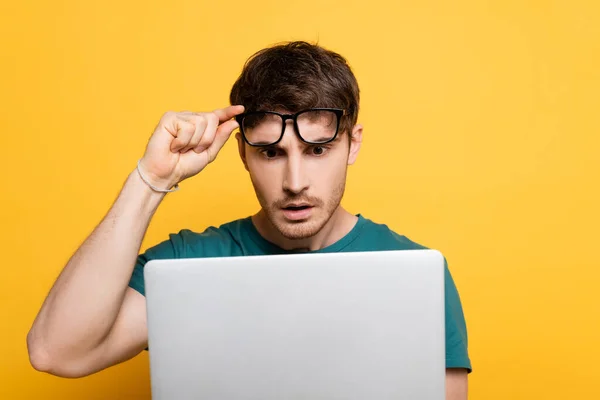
{"points": [[338, 226]]}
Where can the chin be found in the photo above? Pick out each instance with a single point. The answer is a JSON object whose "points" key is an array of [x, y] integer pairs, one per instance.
{"points": [[297, 232]]}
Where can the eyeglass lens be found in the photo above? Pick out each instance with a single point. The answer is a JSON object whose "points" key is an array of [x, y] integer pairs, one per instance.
{"points": [[315, 126]]}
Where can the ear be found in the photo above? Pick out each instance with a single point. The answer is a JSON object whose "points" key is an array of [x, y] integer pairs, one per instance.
{"points": [[242, 148], [355, 141]]}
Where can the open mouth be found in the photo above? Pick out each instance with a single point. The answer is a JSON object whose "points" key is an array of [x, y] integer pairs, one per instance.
{"points": [[297, 212], [296, 208]]}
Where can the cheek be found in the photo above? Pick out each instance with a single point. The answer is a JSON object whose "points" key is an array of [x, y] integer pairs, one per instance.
{"points": [[265, 177], [326, 176]]}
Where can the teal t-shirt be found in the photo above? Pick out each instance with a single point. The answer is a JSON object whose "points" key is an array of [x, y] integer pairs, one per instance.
{"points": [[241, 238]]}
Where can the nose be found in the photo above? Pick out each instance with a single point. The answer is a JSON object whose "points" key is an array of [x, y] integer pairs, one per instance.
{"points": [[296, 178]]}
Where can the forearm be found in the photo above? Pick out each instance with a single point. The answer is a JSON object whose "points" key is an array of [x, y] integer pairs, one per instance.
{"points": [[84, 302], [456, 384]]}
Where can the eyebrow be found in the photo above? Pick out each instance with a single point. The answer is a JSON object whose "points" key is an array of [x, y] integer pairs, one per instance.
{"points": [[322, 139]]}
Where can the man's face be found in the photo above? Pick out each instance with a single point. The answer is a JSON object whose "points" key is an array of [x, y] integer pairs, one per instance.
{"points": [[298, 185]]}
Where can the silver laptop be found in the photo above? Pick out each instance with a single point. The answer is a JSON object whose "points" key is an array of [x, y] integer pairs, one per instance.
{"points": [[351, 326]]}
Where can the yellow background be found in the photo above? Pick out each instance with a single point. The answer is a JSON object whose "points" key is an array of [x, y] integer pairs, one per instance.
{"points": [[481, 140]]}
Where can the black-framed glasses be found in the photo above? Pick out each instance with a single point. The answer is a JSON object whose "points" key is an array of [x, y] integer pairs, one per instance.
{"points": [[313, 126]]}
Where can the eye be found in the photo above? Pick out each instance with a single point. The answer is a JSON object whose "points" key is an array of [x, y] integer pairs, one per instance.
{"points": [[318, 150], [269, 152]]}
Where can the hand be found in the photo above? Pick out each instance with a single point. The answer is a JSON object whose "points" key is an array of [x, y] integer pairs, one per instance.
{"points": [[184, 143]]}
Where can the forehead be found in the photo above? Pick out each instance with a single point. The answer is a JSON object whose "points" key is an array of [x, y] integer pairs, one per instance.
{"points": [[290, 138]]}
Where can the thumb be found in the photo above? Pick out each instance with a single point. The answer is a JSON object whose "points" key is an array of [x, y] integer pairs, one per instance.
{"points": [[223, 133]]}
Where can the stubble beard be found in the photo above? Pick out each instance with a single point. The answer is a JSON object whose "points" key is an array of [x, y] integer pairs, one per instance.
{"points": [[304, 229]]}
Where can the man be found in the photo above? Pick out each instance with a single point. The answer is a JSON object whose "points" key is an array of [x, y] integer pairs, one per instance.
{"points": [[296, 107]]}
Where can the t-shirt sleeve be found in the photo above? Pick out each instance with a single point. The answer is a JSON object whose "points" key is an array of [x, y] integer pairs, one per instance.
{"points": [[170, 248], [457, 355]]}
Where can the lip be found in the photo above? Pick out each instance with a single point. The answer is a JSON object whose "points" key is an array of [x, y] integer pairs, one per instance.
{"points": [[297, 205], [297, 215]]}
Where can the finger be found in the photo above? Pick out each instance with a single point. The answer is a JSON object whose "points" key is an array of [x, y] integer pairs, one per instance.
{"points": [[227, 113], [167, 122], [200, 123], [212, 124], [183, 132], [223, 133]]}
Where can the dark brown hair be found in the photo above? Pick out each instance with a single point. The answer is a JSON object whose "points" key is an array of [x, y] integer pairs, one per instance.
{"points": [[297, 75]]}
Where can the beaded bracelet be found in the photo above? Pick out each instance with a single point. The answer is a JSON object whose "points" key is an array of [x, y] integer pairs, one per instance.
{"points": [[175, 188]]}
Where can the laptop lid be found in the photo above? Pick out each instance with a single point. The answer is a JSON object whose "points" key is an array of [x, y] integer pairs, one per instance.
{"points": [[350, 326]]}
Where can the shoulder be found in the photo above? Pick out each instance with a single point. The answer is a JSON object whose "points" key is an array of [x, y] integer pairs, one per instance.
{"points": [[213, 241], [386, 239], [221, 241], [380, 237]]}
